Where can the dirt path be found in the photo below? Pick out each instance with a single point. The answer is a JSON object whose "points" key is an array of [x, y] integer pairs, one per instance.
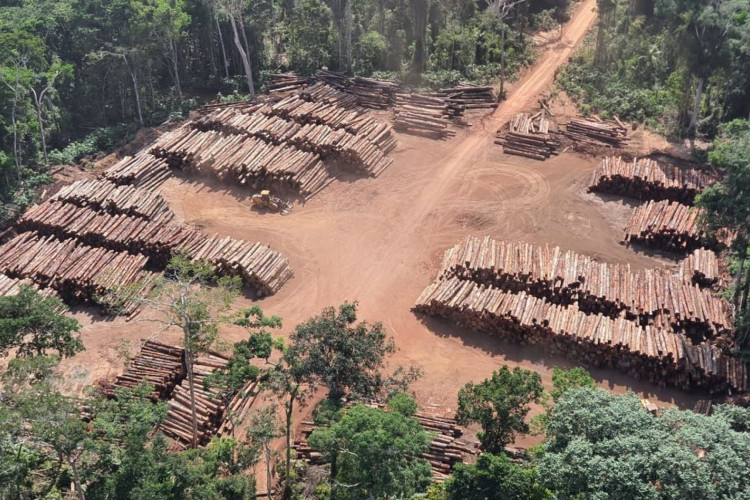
{"points": [[379, 241]]}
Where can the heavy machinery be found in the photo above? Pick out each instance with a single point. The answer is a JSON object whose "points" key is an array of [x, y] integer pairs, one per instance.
{"points": [[265, 201]]}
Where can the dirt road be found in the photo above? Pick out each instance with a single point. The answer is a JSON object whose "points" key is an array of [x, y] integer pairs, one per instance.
{"points": [[379, 241]]}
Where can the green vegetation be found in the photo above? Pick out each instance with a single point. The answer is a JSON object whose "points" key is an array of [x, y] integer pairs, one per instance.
{"points": [[601, 445], [373, 453], [681, 65], [34, 324], [494, 477], [500, 405]]}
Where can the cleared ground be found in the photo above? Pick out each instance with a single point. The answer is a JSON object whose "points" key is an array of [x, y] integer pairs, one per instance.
{"points": [[379, 241]]}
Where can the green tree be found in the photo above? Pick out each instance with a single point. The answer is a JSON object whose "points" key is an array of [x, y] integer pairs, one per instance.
{"points": [[374, 454], [500, 405], [190, 297], [345, 357], [264, 428], [35, 324], [601, 445], [494, 477]]}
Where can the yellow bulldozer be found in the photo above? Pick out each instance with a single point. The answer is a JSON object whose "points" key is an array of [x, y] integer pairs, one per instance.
{"points": [[264, 200]]}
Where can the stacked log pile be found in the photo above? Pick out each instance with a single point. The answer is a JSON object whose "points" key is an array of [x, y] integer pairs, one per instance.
{"points": [[210, 404], [284, 146], [79, 273], [652, 297], [106, 196], [647, 179], [667, 225], [446, 448], [701, 268], [143, 170], [324, 93], [528, 136], [468, 96], [320, 111], [369, 92], [260, 267], [11, 286], [159, 365], [244, 160], [237, 408], [282, 84], [352, 151], [657, 355], [373, 93], [422, 115], [597, 132]]}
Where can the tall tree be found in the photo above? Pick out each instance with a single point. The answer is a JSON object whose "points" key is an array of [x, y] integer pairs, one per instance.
{"points": [[502, 8], [375, 453], [233, 10], [34, 324], [601, 445], [191, 298], [500, 405], [494, 477]]}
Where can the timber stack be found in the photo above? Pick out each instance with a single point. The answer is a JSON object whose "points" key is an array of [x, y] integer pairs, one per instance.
{"points": [[238, 406], [159, 365], [292, 145], [447, 447], [372, 93], [660, 356], [647, 179], [528, 136], [78, 272], [11, 286], [210, 403], [422, 115], [597, 132], [668, 225], [368, 92], [468, 96], [283, 84], [143, 170], [352, 151], [653, 297], [701, 268], [106, 196], [260, 267]]}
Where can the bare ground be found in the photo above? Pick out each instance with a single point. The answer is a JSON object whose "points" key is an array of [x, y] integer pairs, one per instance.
{"points": [[379, 241]]}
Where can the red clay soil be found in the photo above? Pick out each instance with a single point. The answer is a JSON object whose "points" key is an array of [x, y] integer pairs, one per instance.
{"points": [[379, 241]]}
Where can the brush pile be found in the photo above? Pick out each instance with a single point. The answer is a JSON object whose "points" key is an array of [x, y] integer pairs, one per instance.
{"points": [[144, 171], [528, 136], [662, 357], [210, 404], [597, 132], [647, 179], [667, 225], [422, 115], [701, 268], [468, 96], [159, 365], [652, 297], [105, 196]]}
